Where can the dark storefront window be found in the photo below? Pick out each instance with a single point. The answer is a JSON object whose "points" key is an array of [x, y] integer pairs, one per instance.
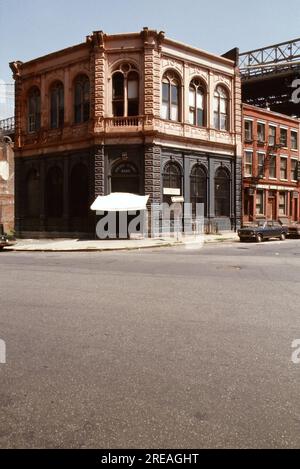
{"points": [[54, 192], [171, 182], [222, 193], [79, 191], [33, 194], [199, 188]]}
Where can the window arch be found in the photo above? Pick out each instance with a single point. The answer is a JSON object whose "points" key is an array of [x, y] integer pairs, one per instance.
{"points": [[222, 193], [81, 99], [172, 179], [197, 105], [34, 109], [221, 108], [125, 91], [54, 192], [171, 96], [57, 105], [198, 181], [33, 193], [79, 191]]}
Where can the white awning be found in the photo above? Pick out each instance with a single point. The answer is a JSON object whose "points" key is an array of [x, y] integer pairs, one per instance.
{"points": [[120, 202]]}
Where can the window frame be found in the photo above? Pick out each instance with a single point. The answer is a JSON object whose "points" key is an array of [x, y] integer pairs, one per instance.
{"points": [[126, 69], [173, 81], [248, 164], [196, 85], [221, 95], [59, 110], [82, 107], [34, 109]]}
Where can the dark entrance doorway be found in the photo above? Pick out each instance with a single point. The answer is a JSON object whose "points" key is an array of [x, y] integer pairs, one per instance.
{"points": [[125, 178]]}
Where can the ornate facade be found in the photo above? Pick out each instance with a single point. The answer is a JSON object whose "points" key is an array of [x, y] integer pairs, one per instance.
{"points": [[134, 112]]}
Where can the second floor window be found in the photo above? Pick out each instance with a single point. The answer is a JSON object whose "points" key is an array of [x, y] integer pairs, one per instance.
{"points": [[248, 163], [170, 97], [272, 166], [283, 168], [221, 109], [125, 91], [82, 99], [57, 105], [196, 103], [294, 170], [260, 165], [248, 131], [34, 110]]}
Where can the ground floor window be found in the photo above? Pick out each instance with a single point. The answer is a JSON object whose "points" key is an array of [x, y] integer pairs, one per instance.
{"points": [[33, 193], [259, 203], [54, 192], [171, 181], [198, 181], [222, 193], [282, 203]]}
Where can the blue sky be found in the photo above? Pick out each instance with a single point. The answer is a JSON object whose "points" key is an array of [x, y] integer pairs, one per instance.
{"points": [[31, 28]]}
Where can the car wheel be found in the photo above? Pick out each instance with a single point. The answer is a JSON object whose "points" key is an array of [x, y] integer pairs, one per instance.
{"points": [[258, 238], [282, 236]]}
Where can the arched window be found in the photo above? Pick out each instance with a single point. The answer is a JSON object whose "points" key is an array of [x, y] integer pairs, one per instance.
{"points": [[34, 109], [171, 181], [197, 103], [33, 194], [81, 99], [198, 181], [54, 192], [170, 96], [57, 105], [221, 109], [222, 193], [79, 191], [125, 91]]}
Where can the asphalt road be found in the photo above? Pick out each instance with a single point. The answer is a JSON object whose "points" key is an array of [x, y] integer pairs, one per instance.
{"points": [[151, 349]]}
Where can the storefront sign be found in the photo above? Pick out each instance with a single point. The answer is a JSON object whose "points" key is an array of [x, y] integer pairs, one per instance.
{"points": [[171, 191]]}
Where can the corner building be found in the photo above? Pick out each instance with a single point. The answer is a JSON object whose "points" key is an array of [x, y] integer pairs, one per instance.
{"points": [[134, 112]]}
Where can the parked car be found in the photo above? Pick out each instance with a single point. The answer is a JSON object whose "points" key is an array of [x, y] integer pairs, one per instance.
{"points": [[3, 238], [293, 227], [263, 229]]}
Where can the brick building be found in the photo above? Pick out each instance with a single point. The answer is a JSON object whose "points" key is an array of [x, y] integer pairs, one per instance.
{"points": [[134, 112], [271, 165], [6, 182]]}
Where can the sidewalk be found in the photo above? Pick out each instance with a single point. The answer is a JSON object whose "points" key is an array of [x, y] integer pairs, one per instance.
{"points": [[69, 245]]}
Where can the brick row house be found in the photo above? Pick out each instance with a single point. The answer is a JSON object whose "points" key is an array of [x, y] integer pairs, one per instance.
{"points": [[271, 165], [135, 112]]}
